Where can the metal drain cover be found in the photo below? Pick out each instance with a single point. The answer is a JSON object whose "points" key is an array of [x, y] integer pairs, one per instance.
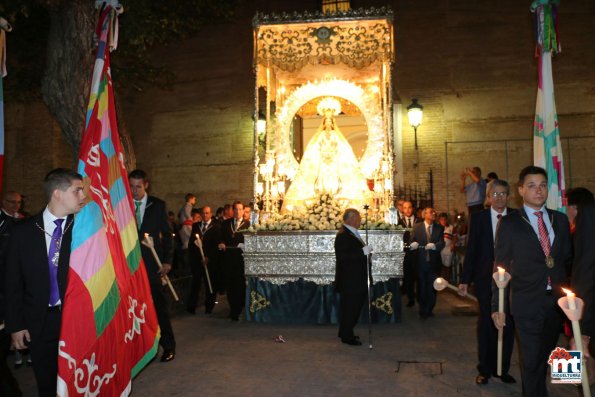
{"points": [[428, 368]]}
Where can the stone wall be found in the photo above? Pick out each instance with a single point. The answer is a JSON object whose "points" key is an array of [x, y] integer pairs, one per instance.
{"points": [[471, 64]]}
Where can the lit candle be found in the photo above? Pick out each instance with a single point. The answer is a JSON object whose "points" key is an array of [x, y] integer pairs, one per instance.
{"points": [[571, 298], [501, 272], [574, 316]]}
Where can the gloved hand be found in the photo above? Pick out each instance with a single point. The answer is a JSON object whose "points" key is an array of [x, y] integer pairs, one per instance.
{"points": [[430, 246], [413, 246], [367, 249]]}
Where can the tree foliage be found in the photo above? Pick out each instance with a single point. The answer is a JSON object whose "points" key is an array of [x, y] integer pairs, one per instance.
{"points": [[50, 50]]}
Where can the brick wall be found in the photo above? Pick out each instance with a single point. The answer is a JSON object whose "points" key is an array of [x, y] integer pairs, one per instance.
{"points": [[470, 63]]}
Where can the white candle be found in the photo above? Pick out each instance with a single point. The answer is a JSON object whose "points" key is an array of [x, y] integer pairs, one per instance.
{"points": [[501, 272], [571, 299]]}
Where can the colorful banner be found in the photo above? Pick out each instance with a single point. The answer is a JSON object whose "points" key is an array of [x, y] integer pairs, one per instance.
{"points": [[109, 326], [547, 148]]}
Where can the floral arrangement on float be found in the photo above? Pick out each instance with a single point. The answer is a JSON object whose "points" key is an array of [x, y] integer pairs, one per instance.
{"points": [[323, 214]]}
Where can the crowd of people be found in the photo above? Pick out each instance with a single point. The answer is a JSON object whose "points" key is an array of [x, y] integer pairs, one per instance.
{"points": [[542, 249]]}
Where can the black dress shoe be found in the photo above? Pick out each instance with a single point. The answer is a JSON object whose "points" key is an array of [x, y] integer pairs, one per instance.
{"points": [[481, 379], [167, 356], [506, 378], [352, 342]]}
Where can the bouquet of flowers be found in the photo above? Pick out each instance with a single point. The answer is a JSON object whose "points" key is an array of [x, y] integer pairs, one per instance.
{"points": [[324, 213]]}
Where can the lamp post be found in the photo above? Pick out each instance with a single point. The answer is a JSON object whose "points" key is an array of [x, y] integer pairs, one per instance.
{"points": [[415, 112]]}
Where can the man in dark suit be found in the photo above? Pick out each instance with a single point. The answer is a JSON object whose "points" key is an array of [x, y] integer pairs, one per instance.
{"points": [[409, 266], [533, 245], [351, 255], [36, 275], [429, 235], [232, 243], [583, 270], [9, 215], [478, 269], [151, 218], [209, 232]]}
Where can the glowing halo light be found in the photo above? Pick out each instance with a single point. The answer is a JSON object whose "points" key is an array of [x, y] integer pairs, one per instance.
{"points": [[366, 100]]}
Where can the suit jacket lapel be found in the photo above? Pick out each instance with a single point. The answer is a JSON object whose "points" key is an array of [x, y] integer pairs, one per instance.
{"points": [[556, 229], [38, 243], [64, 259], [147, 210], [527, 223], [350, 233], [489, 226]]}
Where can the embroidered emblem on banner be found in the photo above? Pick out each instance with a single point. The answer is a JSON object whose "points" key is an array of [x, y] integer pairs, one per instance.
{"points": [[137, 320], [257, 302], [86, 381], [384, 303]]}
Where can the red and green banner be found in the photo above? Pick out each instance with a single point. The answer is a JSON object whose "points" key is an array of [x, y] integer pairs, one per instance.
{"points": [[109, 326]]}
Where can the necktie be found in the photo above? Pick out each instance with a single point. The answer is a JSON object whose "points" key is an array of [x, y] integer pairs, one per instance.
{"points": [[499, 217], [429, 235], [53, 256], [204, 226], [137, 205], [408, 223], [544, 236]]}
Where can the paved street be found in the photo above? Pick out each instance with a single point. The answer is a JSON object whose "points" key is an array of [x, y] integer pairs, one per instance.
{"points": [[216, 357]]}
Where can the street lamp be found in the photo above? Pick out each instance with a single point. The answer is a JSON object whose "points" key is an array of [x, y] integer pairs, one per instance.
{"points": [[415, 112]]}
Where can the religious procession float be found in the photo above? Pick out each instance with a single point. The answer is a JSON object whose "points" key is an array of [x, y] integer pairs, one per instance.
{"points": [[323, 142]]}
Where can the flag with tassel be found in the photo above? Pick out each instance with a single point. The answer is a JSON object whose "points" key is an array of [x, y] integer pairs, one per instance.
{"points": [[109, 326]]}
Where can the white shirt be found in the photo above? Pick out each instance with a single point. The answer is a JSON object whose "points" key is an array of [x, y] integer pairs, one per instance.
{"points": [[495, 214], [546, 220]]}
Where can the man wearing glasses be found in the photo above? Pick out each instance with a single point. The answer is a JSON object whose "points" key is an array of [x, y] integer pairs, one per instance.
{"points": [[478, 269]]}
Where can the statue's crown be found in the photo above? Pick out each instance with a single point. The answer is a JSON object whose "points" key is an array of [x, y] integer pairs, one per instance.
{"points": [[328, 106]]}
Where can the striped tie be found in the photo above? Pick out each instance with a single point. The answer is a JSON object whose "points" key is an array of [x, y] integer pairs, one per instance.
{"points": [[137, 205], [544, 236]]}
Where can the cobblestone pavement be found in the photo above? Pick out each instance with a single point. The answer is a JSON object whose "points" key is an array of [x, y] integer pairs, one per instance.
{"points": [[216, 357]]}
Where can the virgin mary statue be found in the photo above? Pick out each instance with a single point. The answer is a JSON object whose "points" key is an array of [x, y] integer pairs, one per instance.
{"points": [[328, 166]]}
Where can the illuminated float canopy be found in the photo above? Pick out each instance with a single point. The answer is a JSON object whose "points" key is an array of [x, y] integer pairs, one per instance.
{"points": [[304, 63]]}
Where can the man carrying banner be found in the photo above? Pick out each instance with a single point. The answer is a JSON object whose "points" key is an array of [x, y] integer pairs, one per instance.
{"points": [[151, 218], [37, 267]]}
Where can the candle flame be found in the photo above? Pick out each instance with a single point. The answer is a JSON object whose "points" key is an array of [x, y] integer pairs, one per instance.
{"points": [[501, 269], [146, 234], [567, 291]]}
